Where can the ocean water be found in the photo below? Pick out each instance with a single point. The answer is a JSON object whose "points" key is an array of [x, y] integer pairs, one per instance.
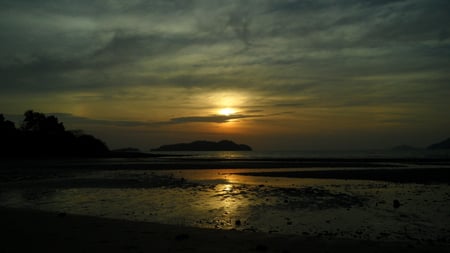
{"points": [[355, 154]]}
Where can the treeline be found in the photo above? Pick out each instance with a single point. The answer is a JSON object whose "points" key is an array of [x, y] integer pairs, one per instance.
{"points": [[44, 136]]}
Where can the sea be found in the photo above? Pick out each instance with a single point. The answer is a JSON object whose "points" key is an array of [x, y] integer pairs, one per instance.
{"points": [[313, 154]]}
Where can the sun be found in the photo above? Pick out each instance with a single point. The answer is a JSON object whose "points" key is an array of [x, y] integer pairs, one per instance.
{"points": [[227, 111]]}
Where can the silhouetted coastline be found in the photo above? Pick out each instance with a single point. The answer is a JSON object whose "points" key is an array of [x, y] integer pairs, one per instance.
{"points": [[44, 136]]}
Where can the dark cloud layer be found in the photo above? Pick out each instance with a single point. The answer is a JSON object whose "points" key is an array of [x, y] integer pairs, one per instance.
{"points": [[65, 44], [211, 119], [72, 120]]}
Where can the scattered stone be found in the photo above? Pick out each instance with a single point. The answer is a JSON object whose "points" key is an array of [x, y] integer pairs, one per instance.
{"points": [[182, 237], [261, 247], [62, 215], [396, 203]]}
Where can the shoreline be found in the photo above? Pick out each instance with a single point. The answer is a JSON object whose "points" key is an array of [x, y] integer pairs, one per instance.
{"points": [[28, 230], [395, 175], [178, 162], [422, 171]]}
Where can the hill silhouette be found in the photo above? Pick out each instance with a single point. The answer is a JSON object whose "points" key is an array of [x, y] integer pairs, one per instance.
{"points": [[44, 136], [224, 145], [404, 148], [441, 145]]}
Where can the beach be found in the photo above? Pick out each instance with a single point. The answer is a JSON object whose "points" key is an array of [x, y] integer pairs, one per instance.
{"points": [[214, 205], [28, 230]]}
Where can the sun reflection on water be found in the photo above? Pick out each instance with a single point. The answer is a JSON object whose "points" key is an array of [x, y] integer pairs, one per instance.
{"points": [[227, 187]]}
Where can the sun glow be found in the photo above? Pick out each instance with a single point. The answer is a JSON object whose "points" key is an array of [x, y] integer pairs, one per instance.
{"points": [[227, 111]]}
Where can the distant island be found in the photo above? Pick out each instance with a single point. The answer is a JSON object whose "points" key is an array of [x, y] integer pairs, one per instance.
{"points": [[224, 145], [445, 144], [441, 145]]}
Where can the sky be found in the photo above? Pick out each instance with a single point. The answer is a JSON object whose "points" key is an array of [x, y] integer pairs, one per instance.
{"points": [[274, 74]]}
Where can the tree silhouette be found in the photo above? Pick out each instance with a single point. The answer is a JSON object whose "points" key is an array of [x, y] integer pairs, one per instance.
{"points": [[38, 122], [6, 126], [9, 136], [44, 136]]}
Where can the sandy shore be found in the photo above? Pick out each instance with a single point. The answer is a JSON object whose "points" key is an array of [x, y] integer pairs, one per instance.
{"points": [[29, 230]]}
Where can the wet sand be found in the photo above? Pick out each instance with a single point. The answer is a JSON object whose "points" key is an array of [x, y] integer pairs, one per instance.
{"points": [[401, 175], [170, 163], [28, 231]]}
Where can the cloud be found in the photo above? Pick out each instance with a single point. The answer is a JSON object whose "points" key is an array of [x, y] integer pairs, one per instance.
{"points": [[210, 119], [282, 49], [72, 120], [240, 22], [318, 61]]}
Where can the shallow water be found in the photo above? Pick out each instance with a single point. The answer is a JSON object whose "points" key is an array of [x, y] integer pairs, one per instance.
{"points": [[222, 200]]}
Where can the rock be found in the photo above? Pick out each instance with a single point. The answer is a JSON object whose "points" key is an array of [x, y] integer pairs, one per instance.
{"points": [[261, 247], [62, 215], [182, 237], [396, 203]]}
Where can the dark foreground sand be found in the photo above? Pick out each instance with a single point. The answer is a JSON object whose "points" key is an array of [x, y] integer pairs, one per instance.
{"points": [[36, 231]]}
